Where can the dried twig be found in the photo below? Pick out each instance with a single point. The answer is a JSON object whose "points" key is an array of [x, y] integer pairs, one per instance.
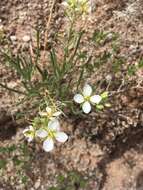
{"points": [[48, 23]]}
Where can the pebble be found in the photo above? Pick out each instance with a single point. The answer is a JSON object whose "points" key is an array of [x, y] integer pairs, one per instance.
{"points": [[13, 38], [1, 27], [108, 77], [64, 4], [37, 184], [110, 36], [26, 38]]}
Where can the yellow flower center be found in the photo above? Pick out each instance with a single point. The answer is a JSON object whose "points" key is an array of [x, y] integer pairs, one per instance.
{"points": [[86, 98], [51, 133]]}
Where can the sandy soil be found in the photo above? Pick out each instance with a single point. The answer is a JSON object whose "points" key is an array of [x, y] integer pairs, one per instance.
{"points": [[107, 149]]}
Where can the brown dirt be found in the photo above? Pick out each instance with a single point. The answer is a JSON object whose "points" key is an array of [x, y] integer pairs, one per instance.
{"points": [[107, 148]]}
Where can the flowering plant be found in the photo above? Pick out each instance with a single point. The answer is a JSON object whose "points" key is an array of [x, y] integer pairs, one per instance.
{"points": [[76, 8], [46, 128], [55, 81], [86, 98], [49, 133]]}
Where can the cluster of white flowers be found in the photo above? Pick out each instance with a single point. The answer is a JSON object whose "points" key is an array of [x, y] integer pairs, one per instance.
{"points": [[86, 99], [47, 134], [81, 7], [50, 113], [47, 129]]}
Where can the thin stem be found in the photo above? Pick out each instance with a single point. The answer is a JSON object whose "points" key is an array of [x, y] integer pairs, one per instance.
{"points": [[48, 25], [68, 40], [77, 45], [13, 90]]}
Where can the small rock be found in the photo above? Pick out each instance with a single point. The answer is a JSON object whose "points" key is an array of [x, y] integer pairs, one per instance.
{"points": [[10, 166], [1, 27], [13, 38], [92, 6], [64, 4], [108, 77], [110, 36], [37, 184], [26, 38]]}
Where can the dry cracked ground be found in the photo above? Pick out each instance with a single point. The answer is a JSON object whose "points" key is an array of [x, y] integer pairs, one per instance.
{"points": [[103, 153]]}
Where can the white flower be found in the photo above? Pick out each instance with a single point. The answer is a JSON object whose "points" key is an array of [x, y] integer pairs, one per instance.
{"points": [[86, 98], [50, 113], [42, 133], [29, 133], [50, 133]]}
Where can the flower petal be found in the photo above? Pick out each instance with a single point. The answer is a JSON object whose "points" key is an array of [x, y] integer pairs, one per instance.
{"points": [[43, 114], [24, 131], [51, 118], [54, 125], [87, 90], [78, 98], [30, 128], [96, 99], [48, 144], [86, 107], [42, 133], [29, 138], [48, 110], [56, 114], [61, 136]]}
